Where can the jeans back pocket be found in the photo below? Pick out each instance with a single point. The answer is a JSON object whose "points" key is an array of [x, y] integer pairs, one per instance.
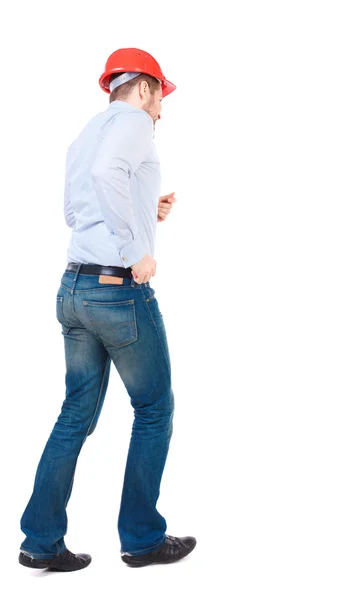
{"points": [[114, 322]]}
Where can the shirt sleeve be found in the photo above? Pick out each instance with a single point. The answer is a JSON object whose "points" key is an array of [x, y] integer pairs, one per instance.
{"points": [[68, 211], [123, 148]]}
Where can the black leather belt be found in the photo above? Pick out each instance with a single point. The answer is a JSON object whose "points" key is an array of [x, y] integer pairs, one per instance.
{"points": [[100, 270]]}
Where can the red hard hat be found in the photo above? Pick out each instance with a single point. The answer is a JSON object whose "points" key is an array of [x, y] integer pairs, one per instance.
{"points": [[133, 60]]}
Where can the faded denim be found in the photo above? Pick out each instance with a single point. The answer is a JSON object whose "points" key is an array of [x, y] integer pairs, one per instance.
{"points": [[100, 323]]}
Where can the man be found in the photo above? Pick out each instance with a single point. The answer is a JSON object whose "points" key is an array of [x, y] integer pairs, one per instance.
{"points": [[108, 311]]}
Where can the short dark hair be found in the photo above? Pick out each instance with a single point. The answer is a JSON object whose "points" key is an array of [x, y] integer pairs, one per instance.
{"points": [[124, 90]]}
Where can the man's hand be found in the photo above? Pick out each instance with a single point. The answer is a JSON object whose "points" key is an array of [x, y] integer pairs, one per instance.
{"points": [[165, 205], [143, 270]]}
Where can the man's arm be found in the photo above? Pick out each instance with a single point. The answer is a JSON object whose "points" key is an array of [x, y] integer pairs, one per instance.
{"points": [[124, 147]]}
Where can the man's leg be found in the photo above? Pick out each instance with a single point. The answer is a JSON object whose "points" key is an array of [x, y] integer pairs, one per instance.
{"points": [[144, 367], [44, 520]]}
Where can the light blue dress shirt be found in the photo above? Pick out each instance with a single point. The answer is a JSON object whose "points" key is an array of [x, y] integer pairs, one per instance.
{"points": [[112, 188]]}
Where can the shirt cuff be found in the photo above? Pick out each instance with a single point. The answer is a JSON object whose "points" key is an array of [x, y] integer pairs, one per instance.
{"points": [[132, 253]]}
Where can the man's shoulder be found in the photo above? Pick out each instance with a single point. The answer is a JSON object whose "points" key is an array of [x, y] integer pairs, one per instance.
{"points": [[124, 110]]}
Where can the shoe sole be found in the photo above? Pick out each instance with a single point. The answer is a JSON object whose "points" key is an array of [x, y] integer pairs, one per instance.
{"points": [[139, 561]]}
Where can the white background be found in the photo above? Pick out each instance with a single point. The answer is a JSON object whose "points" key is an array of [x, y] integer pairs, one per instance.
{"points": [[247, 281]]}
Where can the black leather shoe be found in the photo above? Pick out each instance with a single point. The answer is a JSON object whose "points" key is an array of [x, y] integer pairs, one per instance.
{"points": [[172, 550], [66, 561]]}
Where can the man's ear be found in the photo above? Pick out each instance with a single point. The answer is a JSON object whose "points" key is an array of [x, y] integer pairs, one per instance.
{"points": [[143, 85]]}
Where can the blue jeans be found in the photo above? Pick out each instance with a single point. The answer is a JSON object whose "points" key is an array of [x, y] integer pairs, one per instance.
{"points": [[101, 322]]}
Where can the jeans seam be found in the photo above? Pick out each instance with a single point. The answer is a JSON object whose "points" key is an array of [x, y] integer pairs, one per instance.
{"points": [[159, 336], [108, 359], [63, 321], [90, 425], [99, 289]]}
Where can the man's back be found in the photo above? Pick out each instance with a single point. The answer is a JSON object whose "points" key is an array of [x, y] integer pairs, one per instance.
{"points": [[112, 187]]}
